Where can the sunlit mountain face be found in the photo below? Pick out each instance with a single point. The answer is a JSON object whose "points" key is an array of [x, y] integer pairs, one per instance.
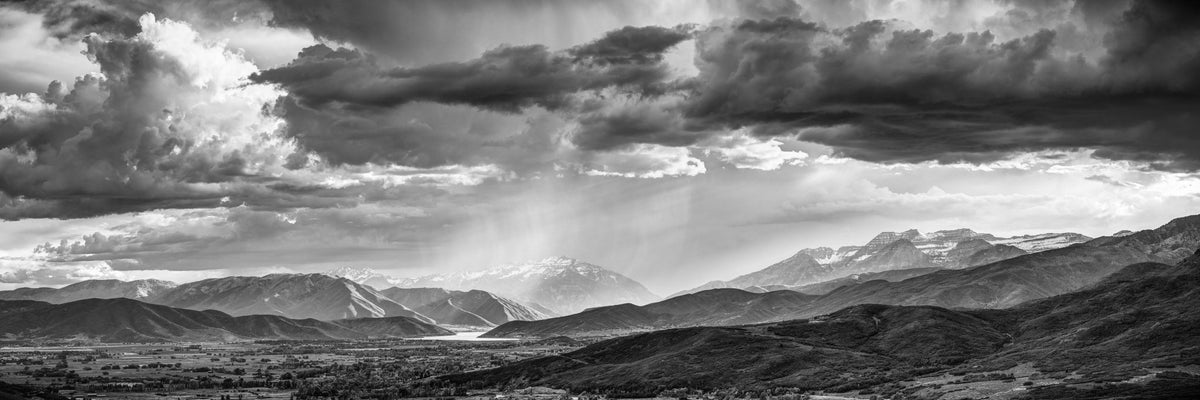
{"points": [[665, 145]]}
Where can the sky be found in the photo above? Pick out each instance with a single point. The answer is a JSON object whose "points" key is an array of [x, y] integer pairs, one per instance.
{"points": [[675, 142]]}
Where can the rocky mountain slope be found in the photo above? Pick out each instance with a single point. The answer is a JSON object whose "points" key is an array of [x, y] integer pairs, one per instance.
{"points": [[1137, 318], [316, 296], [91, 289], [564, 285], [949, 249], [796, 269], [1009, 282], [126, 320], [364, 276], [997, 285], [895, 275], [709, 307], [472, 308]]}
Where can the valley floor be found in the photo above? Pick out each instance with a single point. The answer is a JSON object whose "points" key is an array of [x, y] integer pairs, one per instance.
{"points": [[259, 370]]}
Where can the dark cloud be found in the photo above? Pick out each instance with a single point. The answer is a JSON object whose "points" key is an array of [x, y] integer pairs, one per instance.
{"points": [[874, 90], [419, 32], [631, 45], [347, 107], [423, 135], [76, 18], [1116, 77], [606, 123], [508, 78], [880, 93]]}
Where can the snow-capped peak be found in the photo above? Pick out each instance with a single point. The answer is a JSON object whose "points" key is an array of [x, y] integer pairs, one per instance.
{"points": [[356, 274], [364, 276], [562, 283]]}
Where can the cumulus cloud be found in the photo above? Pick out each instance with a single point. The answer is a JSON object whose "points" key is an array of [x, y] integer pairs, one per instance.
{"points": [[877, 81], [169, 119], [47, 33], [43, 57], [744, 151]]}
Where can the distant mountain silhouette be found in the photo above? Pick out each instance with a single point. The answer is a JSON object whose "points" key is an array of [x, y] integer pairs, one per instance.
{"points": [[126, 320], [1142, 315], [997, 285], [316, 296], [92, 289], [895, 275], [710, 307], [472, 308], [564, 285], [949, 249]]}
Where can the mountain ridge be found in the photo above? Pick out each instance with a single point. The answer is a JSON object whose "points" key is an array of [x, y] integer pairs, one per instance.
{"points": [[997, 285], [94, 288], [471, 308], [128, 320], [908, 249], [564, 285], [1137, 317], [316, 296]]}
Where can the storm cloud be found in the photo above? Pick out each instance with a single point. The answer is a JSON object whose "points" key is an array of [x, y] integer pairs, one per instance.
{"points": [[1109, 76], [507, 78], [880, 93]]}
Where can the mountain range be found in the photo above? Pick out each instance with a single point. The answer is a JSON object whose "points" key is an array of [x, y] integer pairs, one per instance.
{"points": [[1015, 278], [92, 289], [563, 285], [469, 308], [997, 285], [948, 249], [365, 276], [127, 320], [709, 307], [480, 299], [1139, 317], [317, 296]]}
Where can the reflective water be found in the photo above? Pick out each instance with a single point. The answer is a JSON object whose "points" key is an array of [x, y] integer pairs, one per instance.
{"points": [[465, 336]]}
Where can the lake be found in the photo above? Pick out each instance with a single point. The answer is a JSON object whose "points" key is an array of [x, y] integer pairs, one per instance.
{"points": [[465, 336]]}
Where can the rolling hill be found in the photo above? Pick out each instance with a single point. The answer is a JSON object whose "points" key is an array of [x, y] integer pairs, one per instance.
{"points": [[710, 307], [92, 289], [1139, 317], [126, 320], [895, 275], [997, 285], [911, 249], [1016, 280], [392, 327]]}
